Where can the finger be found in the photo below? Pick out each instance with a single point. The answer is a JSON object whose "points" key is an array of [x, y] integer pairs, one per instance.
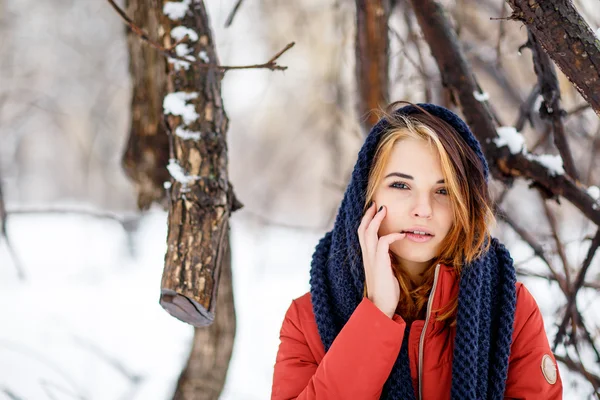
{"points": [[365, 222], [367, 217], [391, 238], [383, 246], [371, 237]]}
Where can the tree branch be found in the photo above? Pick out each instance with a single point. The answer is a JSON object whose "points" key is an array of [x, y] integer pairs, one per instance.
{"points": [[169, 52], [550, 109], [457, 76], [233, 13], [4, 234], [567, 39], [579, 280], [525, 110]]}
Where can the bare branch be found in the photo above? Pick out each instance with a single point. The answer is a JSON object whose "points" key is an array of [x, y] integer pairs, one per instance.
{"points": [[579, 280], [4, 234], [550, 109], [574, 47], [525, 110], [458, 77], [578, 367], [233, 13], [559, 246], [169, 52], [11, 395], [536, 247]]}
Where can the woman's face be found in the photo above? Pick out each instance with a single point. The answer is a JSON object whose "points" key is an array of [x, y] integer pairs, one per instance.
{"points": [[414, 192]]}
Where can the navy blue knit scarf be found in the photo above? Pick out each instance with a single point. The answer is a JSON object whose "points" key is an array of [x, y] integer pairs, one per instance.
{"points": [[487, 294]]}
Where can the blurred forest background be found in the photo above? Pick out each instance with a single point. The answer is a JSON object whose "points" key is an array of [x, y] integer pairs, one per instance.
{"points": [[80, 263]]}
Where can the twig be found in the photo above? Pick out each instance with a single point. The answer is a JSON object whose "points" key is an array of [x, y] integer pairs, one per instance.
{"points": [[559, 246], [578, 367], [414, 38], [271, 64], [526, 109], [11, 395], [127, 221], [110, 360], [266, 221], [4, 234], [576, 286], [536, 247], [501, 32], [34, 354], [233, 13], [50, 387], [578, 109], [525, 272], [551, 110]]}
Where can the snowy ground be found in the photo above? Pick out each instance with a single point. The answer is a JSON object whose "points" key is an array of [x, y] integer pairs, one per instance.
{"points": [[87, 324]]}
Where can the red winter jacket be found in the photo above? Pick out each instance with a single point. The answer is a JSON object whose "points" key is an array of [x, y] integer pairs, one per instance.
{"points": [[363, 354]]}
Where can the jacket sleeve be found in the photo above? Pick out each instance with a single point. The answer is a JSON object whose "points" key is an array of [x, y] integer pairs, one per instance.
{"points": [[355, 367], [532, 369]]}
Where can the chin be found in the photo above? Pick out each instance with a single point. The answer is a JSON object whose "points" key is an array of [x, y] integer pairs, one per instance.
{"points": [[414, 254]]}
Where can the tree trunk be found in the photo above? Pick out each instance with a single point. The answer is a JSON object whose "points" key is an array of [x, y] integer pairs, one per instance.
{"points": [[178, 143], [147, 153], [204, 375], [372, 58]]}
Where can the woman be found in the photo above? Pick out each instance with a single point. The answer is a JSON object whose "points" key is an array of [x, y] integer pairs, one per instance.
{"points": [[410, 295]]}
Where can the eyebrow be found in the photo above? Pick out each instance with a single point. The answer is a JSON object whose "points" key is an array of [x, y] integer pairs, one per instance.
{"points": [[401, 175]]}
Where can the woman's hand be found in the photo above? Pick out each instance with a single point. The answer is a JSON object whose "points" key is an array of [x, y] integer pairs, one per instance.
{"points": [[382, 286]]}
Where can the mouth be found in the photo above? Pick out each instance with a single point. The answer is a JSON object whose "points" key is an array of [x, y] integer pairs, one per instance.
{"points": [[418, 236], [418, 232]]}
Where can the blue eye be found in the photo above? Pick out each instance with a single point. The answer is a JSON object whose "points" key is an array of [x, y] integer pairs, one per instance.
{"points": [[444, 191], [399, 185]]}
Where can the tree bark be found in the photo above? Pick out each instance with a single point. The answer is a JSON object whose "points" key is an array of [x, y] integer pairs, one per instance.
{"points": [[372, 58], [567, 39], [204, 375], [200, 198], [145, 158]]}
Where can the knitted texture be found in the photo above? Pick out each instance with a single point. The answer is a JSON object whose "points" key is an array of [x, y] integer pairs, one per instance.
{"points": [[487, 294]]}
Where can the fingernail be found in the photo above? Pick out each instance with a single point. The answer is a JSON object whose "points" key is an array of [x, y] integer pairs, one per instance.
{"points": [[380, 208]]}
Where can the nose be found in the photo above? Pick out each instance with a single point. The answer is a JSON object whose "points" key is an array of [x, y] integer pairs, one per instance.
{"points": [[422, 208]]}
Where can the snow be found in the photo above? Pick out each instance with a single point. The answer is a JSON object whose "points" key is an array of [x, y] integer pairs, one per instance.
{"points": [[176, 10], [178, 173], [88, 320], [179, 33], [179, 64], [186, 134], [204, 57], [90, 300], [598, 33], [481, 96], [594, 192], [508, 136], [175, 104], [553, 162]]}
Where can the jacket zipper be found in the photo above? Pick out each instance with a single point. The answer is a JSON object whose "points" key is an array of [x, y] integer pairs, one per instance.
{"points": [[422, 338]]}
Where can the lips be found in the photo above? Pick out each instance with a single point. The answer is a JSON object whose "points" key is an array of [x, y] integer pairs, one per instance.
{"points": [[418, 230]]}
